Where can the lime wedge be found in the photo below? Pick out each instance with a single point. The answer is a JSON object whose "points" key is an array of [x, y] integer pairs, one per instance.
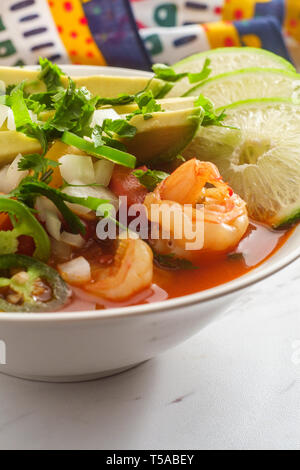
{"points": [[225, 60], [261, 159], [253, 83]]}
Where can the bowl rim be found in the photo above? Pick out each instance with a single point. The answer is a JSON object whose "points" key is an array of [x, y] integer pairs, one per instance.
{"points": [[242, 282], [231, 287]]}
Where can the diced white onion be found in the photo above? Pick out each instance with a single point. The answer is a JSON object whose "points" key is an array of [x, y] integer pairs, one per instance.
{"points": [[103, 171], [77, 271], [33, 116], [101, 114], [10, 176], [93, 191], [49, 214], [77, 167], [6, 114], [11, 126], [76, 241], [53, 225], [60, 249]]}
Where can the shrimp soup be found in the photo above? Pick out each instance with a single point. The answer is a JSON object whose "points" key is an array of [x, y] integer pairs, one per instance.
{"points": [[111, 201], [258, 244]]}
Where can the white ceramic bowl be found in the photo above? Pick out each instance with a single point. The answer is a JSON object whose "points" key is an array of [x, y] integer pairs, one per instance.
{"points": [[87, 345]]}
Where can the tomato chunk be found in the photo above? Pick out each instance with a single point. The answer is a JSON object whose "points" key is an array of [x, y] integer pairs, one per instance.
{"points": [[124, 183], [26, 245]]}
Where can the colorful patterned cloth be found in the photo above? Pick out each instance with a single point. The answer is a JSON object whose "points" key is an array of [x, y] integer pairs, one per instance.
{"points": [[135, 33]]}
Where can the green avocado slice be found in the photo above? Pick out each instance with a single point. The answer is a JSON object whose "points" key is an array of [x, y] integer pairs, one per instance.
{"points": [[167, 104], [165, 135], [100, 85], [12, 143]]}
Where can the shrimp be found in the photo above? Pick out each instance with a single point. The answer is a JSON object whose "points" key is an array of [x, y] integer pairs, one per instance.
{"points": [[222, 213], [130, 273]]}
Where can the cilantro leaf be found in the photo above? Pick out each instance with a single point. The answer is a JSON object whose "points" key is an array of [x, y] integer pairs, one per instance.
{"points": [[97, 136], [74, 110], [236, 256], [200, 76], [150, 178], [35, 131], [168, 74], [10, 88], [171, 262], [50, 74], [36, 163], [44, 100], [146, 105], [122, 99], [120, 127], [210, 117], [23, 120], [35, 106], [18, 105], [104, 135]]}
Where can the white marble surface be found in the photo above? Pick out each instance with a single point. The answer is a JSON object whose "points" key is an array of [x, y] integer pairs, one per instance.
{"points": [[236, 385]]}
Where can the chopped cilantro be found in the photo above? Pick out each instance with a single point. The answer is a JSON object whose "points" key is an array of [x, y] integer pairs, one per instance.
{"points": [[122, 99], [120, 127], [10, 88], [146, 105], [171, 262], [23, 120], [150, 178], [74, 110], [168, 74], [50, 74], [105, 134], [44, 100], [36, 163], [210, 117], [236, 256]]}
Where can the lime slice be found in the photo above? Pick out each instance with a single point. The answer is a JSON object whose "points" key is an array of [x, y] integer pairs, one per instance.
{"points": [[261, 159], [227, 60], [246, 84]]}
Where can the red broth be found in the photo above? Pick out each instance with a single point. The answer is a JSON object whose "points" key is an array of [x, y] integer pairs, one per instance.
{"points": [[257, 246]]}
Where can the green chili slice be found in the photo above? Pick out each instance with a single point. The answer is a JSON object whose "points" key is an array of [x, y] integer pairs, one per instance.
{"points": [[102, 151], [27, 285], [24, 223]]}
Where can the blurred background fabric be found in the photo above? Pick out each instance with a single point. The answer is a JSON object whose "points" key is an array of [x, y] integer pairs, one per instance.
{"points": [[136, 33]]}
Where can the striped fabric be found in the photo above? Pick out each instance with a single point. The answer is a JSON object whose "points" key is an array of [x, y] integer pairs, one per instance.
{"points": [[135, 33]]}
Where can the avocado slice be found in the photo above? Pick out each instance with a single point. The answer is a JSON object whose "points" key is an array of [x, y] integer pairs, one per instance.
{"points": [[167, 104], [12, 143], [165, 135], [101, 85], [112, 86]]}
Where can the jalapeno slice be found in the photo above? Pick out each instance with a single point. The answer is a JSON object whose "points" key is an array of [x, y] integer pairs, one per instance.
{"points": [[24, 223], [27, 285]]}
